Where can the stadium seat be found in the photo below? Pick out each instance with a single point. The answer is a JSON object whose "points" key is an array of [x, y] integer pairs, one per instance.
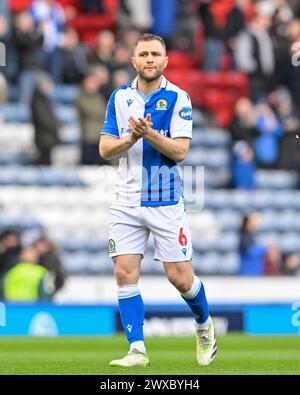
{"points": [[65, 94], [229, 220], [211, 138], [276, 179], [229, 264], [289, 242], [206, 263], [14, 113]]}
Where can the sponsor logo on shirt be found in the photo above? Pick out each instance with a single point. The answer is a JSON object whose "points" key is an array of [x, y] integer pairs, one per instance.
{"points": [[186, 113], [161, 104], [129, 102], [125, 132], [164, 132]]}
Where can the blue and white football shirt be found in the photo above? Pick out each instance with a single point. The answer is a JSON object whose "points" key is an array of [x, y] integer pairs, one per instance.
{"points": [[145, 176]]}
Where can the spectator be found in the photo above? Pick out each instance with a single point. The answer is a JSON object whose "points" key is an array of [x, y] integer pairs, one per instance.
{"points": [[164, 27], [50, 18], [243, 125], [222, 21], [252, 253], [287, 69], [273, 260], [10, 247], [183, 37], [121, 60], [103, 54], [3, 89], [291, 264], [28, 41], [10, 70], [49, 258], [295, 7], [129, 39], [243, 166], [289, 117], [270, 130], [120, 77], [26, 281], [283, 15], [105, 84], [91, 109], [43, 119], [134, 15], [254, 51], [74, 58]]}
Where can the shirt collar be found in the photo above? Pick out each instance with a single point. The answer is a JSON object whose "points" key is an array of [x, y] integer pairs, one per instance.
{"points": [[163, 83]]}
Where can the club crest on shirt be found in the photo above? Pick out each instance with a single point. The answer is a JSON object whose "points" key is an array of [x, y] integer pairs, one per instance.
{"points": [[161, 104], [111, 245]]}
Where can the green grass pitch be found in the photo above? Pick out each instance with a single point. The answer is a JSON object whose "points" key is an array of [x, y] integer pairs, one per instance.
{"points": [[237, 354]]}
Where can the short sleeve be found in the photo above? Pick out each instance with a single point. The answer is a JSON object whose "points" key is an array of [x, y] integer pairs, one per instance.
{"points": [[110, 125], [182, 121]]}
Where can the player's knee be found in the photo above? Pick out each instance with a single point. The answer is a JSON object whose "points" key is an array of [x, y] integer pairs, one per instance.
{"points": [[123, 276], [179, 282]]}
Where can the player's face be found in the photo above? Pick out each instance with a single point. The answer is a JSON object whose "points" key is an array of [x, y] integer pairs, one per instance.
{"points": [[149, 60]]}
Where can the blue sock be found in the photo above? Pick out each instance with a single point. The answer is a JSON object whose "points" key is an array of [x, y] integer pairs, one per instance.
{"points": [[132, 312], [196, 299]]}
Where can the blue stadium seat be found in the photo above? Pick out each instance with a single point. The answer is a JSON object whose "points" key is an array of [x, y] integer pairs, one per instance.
{"points": [[229, 263], [99, 263], [207, 263], [65, 94], [276, 179], [16, 113], [229, 220], [23, 222], [209, 138], [66, 114], [84, 244], [289, 242], [75, 263]]}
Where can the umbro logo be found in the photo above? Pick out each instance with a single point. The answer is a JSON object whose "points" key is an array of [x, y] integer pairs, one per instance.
{"points": [[129, 102], [129, 327]]}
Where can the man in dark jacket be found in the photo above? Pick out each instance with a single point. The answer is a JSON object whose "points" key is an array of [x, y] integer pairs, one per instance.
{"points": [[43, 119], [50, 259], [27, 41]]}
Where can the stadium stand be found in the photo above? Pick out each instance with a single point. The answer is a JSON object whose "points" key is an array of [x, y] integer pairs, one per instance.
{"points": [[70, 203]]}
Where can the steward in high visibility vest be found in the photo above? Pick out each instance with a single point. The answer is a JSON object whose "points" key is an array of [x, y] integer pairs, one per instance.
{"points": [[24, 282]]}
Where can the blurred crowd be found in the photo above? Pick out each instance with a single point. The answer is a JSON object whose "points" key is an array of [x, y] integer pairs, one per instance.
{"points": [[29, 271], [257, 259], [89, 43]]}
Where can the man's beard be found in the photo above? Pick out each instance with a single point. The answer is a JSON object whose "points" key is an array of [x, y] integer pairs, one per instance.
{"points": [[154, 77]]}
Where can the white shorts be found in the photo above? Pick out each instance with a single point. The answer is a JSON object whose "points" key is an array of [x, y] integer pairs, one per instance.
{"points": [[130, 227]]}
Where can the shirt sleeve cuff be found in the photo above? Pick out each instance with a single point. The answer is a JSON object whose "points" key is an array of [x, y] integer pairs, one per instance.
{"points": [[175, 135], [110, 133]]}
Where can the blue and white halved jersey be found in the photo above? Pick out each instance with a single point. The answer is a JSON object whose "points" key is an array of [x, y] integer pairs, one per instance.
{"points": [[145, 176]]}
